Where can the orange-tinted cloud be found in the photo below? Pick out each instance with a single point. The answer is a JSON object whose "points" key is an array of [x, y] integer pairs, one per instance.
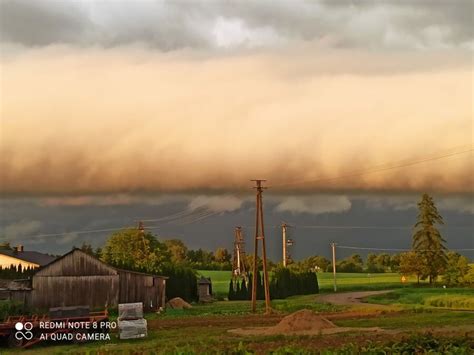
{"points": [[86, 121]]}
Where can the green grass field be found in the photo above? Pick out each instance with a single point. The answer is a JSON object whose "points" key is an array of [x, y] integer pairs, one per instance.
{"points": [[345, 281], [451, 298]]}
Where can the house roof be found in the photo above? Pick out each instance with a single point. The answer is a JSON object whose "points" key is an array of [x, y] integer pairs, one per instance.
{"points": [[34, 257], [204, 281]]}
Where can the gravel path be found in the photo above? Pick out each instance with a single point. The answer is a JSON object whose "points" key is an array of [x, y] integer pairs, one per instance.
{"points": [[351, 298]]}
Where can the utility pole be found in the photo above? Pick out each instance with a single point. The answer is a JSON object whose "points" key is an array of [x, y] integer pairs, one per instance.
{"points": [[283, 233], [333, 245], [238, 262], [260, 235], [141, 227], [286, 243]]}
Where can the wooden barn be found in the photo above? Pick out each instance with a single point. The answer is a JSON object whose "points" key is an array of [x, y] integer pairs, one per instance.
{"points": [[78, 278]]}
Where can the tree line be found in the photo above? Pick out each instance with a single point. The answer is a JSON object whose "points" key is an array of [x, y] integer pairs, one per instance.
{"points": [[428, 259], [16, 272]]}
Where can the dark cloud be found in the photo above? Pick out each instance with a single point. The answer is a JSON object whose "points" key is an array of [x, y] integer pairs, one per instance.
{"points": [[177, 25], [39, 23], [26, 221]]}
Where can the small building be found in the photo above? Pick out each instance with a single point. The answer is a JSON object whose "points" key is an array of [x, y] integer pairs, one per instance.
{"points": [[78, 278], [205, 289], [27, 259]]}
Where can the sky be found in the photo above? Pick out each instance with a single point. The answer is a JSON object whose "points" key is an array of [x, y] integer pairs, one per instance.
{"points": [[115, 111]]}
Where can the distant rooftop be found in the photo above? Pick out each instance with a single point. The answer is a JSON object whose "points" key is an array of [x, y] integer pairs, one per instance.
{"points": [[30, 256]]}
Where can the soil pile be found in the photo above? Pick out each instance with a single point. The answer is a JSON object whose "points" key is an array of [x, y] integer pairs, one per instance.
{"points": [[178, 303], [304, 320]]}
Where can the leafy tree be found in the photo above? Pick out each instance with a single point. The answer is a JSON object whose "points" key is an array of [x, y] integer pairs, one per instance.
{"points": [[315, 262], [372, 264], [394, 262], [98, 253], [354, 263], [133, 249], [222, 255], [457, 268], [383, 261], [428, 243], [177, 250], [87, 248], [469, 277], [411, 264], [249, 260]]}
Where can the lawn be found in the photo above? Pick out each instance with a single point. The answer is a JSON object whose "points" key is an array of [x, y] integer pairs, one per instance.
{"points": [[452, 298], [345, 281]]}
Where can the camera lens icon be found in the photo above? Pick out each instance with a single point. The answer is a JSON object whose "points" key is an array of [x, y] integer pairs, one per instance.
{"points": [[23, 330]]}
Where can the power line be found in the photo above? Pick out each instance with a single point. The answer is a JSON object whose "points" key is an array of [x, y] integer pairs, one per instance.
{"points": [[361, 227], [377, 227], [379, 168], [91, 231], [394, 249]]}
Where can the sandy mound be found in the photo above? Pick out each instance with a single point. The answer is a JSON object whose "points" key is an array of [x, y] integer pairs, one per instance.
{"points": [[178, 303], [301, 321], [304, 322]]}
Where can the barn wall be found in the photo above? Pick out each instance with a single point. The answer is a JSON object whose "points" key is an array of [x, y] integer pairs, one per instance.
{"points": [[22, 296], [95, 291], [135, 287], [76, 263]]}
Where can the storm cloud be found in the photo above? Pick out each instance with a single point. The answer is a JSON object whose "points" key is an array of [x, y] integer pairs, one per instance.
{"points": [[174, 25], [158, 97]]}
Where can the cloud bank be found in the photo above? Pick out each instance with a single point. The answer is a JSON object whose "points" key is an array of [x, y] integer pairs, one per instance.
{"points": [[157, 97], [129, 120]]}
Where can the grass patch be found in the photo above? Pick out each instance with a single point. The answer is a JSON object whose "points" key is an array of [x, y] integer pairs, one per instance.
{"points": [[419, 319], [453, 298], [227, 308], [345, 281]]}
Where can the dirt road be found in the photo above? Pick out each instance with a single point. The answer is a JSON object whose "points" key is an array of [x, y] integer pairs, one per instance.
{"points": [[352, 298]]}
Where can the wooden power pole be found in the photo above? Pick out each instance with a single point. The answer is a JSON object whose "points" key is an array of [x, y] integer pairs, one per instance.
{"points": [[333, 245], [238, 262], [286, 242], [260, 235], [141, 227]]}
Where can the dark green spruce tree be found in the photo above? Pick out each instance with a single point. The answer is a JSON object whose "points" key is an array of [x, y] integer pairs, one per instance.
{"points": [[428, 244], [231, 295]]}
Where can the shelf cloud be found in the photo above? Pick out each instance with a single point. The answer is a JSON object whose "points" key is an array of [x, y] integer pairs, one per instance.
{"points": [[126, 120], [163, 97]]}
